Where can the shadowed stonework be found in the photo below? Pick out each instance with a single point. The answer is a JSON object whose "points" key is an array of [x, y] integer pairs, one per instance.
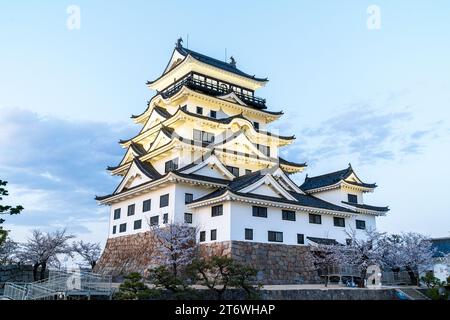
{"points": [[276, 263]]}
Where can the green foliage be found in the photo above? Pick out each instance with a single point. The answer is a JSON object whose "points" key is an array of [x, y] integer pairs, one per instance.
{"points": [[221, 273], [164, 278], [6, 210], [133, 288], [431, 281], [437, 294]]}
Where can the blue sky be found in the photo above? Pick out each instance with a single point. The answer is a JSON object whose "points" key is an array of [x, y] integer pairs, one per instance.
{"points": [[376, 98]]}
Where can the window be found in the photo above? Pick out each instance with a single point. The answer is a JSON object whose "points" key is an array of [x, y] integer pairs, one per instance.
{"points": [[154, 221], [248, 234], [188, 198], [300, 238], [137, 224], [353, 198], [114, 229], [217, 211], [202, 236], [147, 205], [259, 212], [360, 224], [184, 108], [199, 110], [203, 136], [131, 208], [288, 215], [256, 125], [164, 200], [188, 218], [315, 218], [171, 165], [165, 218], [339, 222], [274, 236], [233, 170], [264, 149], [247, 171], [213, 114], [117, 214], [213, 234], [123, 227]]}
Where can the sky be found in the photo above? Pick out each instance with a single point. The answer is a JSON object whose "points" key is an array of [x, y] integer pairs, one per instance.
{"points": [[375, 94]]}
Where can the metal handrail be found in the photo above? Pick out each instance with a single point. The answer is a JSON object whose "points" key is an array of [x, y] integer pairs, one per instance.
{"points": [[59, 282], [215, 88]]}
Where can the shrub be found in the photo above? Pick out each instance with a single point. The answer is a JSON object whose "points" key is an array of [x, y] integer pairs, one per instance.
{"points": [[221, 273], [133, 288]]}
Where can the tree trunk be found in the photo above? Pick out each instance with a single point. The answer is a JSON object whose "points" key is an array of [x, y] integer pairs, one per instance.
{"points": [[43, 269], [412, 276], [363, 278], [35, 271], [93, 264]]}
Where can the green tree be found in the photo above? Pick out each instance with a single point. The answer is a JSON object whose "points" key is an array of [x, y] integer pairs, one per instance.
{"points": [[221, 273], [163, 278], [6, 210], [133, 288]]}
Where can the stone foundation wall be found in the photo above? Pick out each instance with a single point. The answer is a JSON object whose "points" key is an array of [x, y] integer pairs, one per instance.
{"points": [[15, 273], [277, 263], [123, 255]]}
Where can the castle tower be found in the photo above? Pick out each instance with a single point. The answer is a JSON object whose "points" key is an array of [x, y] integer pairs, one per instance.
{"points": [[206, 157]]}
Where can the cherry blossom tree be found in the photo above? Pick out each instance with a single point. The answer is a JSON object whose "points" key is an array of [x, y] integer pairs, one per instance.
{"points": [[8, 251], [360, 252], [43, 249], [176, 246], [90, 252], [407, 250]]}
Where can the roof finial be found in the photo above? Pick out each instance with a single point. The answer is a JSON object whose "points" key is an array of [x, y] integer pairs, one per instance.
{"points": [[179, 43], [233, 61]]}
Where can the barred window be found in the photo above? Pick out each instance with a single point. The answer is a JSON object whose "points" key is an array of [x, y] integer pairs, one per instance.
{"points": [[288, 215], [217, 211], [275, 236], [147, 205], [117, 214], [131, 209], [260, 212], [315, 218]]}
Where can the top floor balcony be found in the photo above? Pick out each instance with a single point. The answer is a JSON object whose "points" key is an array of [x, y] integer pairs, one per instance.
{"points": [[215, 89]]}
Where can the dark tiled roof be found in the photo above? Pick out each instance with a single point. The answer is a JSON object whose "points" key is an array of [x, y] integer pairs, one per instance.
{"points": [[201, 178], [138, 148], [324, 241], [163, 112], [311, 201], [217, 63], [244, 181], [302, 200], [148, 169], [183, 175], [441, 246], [293, 164], [212, 195], [366, 206], [331, 179]]}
